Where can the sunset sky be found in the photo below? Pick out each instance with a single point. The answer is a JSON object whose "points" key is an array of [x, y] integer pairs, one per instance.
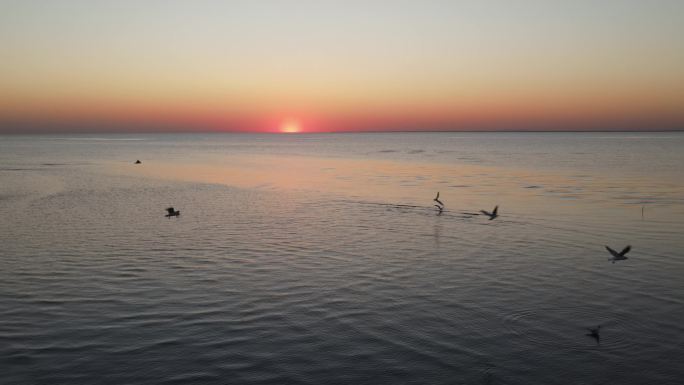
{"points": [[310, 66]]}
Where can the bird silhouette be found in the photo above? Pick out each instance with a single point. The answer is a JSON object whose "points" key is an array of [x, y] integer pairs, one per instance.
{"points": [[618, 256], [171, 212], [440, 209], [594, 333], [437, 199], [138, 161], [491, 215]]}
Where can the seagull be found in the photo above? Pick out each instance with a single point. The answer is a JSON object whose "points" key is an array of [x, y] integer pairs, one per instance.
{"points": [[491, 215], [618, 256], [138, 161], [437, 199], [440, 208], [172, 213], [594, 333]]}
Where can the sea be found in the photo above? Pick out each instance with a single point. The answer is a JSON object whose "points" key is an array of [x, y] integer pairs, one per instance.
{"points": [[322, 258]]}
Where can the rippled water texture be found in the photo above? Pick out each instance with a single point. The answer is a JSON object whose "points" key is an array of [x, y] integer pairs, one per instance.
{"points": [[320, 259]]}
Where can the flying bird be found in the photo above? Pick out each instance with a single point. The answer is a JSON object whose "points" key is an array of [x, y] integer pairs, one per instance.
{"points": [[437, 199], [138, 161], [618, 256], [171, 212], [491, 215], [594, 333]]}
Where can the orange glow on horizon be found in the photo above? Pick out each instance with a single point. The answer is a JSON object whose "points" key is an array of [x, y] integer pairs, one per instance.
{"points": [[547, 112], [290, 127]]}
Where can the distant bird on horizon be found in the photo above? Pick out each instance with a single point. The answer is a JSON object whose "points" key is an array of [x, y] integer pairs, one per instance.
{"points": [[594, 333], [440, 208], [491, 215], [618, 256], [138, 161], [171, 212], [437, 199]]}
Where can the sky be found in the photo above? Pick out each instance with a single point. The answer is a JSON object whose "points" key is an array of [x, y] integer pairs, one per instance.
{"points": [[321, 66]]}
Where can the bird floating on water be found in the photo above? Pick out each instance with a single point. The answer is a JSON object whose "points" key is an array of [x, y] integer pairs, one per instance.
{"points": [[171, 212], [618, 256], [440, 209], [594, 333], [138, 161], [491, 215], [437, 200]]}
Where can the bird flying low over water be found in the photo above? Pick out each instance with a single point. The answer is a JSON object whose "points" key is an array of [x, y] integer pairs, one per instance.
{"points": [[594, 333], [171, 212], [440, 209], [491, 215], [138, 161], [618, 256], [437, 199]]}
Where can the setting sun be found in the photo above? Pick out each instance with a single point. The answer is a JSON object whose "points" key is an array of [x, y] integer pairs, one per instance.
{"points": [[290, 127]]}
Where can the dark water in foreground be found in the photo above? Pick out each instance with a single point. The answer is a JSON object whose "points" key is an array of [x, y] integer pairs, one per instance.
{"points": [[319, 259]]}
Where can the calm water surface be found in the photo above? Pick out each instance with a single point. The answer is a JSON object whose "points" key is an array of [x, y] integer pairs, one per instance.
{"points": [[319, 259]]}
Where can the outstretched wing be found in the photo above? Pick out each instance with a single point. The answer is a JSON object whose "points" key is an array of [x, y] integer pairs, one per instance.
{"points": [[612, 252], [495, 210], [486, 212], [625, 250], [170, 210], [437, 197]]}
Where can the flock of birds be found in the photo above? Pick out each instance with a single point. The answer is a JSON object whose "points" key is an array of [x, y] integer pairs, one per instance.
{"points": [[616, 256], [440, 208]]}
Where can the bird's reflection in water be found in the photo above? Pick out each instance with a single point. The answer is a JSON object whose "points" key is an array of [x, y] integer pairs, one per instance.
{"points": [[437, 232]]}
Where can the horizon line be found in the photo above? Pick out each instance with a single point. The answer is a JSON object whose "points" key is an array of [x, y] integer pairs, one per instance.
{"points": [[335, 132]]}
